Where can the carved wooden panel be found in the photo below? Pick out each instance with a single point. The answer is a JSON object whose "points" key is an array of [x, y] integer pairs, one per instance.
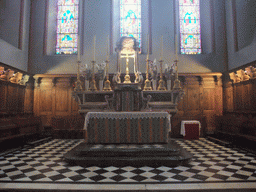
{"points": [[29, 99], [246, 94], [253, 96], [193, 96], [241, 95], [218, 100], [238, 97], [45, 100], [62, 100], [228, 104], [20, 99], [12, 98], [208, 99], [3, 96]]}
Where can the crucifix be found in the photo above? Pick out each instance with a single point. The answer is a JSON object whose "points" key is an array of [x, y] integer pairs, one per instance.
{"points": [[127, 76]]}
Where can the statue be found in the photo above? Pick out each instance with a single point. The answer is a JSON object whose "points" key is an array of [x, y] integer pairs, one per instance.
{"points": [[169, 73], [101, 74], [101, 70], [138, 77], [153, 71], [87, 75]]}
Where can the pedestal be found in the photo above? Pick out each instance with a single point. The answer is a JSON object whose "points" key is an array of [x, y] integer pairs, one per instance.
{"points": [[128, 97]]}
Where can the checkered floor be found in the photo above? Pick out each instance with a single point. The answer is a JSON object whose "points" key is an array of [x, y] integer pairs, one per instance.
{"points": [[44, 164]]}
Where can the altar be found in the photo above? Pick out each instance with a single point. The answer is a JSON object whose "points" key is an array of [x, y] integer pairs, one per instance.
{"points": [[128, 121], [127, 127]]}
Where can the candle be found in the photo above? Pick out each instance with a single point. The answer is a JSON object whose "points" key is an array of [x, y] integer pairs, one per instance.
{"points": [[162, 48], [107, 47], [94, 43], [148, 49], [176, 42], [78, 49]]}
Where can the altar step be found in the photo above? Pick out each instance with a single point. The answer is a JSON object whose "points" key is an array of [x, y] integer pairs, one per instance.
{"points": [[170, 154]]}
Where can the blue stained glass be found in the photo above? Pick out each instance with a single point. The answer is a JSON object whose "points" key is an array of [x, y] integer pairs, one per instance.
{"points": [[67, 26], [190, 29], [130, 19]]}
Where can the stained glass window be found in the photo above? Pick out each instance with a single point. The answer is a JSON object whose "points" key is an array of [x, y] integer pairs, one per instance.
{"points": [[67, 26], [130, 19], [190, 32]]}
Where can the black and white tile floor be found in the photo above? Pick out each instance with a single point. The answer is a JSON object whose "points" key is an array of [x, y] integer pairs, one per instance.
{"points": [[212, 165]]}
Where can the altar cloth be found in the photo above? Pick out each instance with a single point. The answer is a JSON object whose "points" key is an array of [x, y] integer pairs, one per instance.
{"points": [[127, 127]]}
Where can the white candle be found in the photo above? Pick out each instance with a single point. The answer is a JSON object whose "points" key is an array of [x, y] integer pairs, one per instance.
{"points": [[107, 47], [78, 49], [176, 42], [94, 43], [162, 48], [148, 49]]}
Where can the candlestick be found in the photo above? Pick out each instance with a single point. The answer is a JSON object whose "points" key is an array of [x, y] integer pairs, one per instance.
{"points": [[147, 85], [107, 86], [161, 81], [177, 81], [78, 49], [93, 82], [94, 43]]}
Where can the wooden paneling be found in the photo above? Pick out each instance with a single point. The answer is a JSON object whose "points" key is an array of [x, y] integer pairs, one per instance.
{"points": [[63, 95], [12, 98], [45, 101], [29, 99], [3, 96], [240, 96], [52, 97], [203, 98], [228, 97]]}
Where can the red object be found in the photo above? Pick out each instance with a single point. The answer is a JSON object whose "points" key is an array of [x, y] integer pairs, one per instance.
{"points": [[191, 131]]}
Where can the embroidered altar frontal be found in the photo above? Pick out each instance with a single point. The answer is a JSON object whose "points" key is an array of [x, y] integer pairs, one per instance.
{"points": [[127, 127]]}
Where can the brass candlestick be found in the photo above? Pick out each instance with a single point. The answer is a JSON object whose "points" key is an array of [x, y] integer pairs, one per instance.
{"points": [[147, 86], [177, 81], [107, 86], [93, 82], [161, 81], [78, 83]]}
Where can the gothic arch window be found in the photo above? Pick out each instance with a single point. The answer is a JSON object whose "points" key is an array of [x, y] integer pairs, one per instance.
{"points": [[190, 29], [67, 26], [130, 19]]}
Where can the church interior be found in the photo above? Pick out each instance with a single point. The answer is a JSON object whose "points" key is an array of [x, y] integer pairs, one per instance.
{"points": [[128, 95]]}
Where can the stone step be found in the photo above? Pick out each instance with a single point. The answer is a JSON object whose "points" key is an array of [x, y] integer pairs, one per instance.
{"points": [[130, 150]]}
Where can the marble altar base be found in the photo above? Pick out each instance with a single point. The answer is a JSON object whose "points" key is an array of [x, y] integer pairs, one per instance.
{"points": [[170, 154]]}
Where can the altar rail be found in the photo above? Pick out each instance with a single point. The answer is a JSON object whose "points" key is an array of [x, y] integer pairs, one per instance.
{"points": [[203, 98]]}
